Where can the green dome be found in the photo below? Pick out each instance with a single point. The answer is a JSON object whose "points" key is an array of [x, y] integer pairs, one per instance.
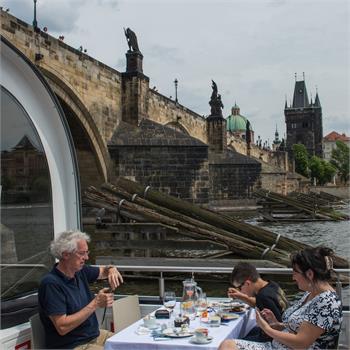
{"points": [[236, 122]]}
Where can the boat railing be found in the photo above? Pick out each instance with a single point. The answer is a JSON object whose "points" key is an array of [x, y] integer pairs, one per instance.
{"points": [[162, 269]]}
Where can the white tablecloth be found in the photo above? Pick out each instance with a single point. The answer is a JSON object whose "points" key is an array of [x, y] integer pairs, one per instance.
{"points": [[128, 339]]}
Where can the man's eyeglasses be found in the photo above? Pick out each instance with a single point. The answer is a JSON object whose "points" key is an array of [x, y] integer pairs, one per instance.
{"points": [[82, 253], [239, 287]]}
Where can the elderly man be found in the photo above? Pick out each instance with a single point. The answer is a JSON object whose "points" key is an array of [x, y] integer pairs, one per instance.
{"points": [[67, 307]]}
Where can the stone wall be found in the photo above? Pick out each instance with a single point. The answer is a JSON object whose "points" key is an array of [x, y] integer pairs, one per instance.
{"points": [[179, 171], [95, 84], [163, 110], [277, 158], [232, 181], [232, 176]]}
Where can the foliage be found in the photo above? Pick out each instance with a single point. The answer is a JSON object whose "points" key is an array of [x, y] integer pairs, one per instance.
{"points": [[315, 167], [329, 171], [321, 170], [301, 159], [340, 159]]}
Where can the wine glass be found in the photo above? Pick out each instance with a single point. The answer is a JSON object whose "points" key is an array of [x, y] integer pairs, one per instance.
{"points": [[169, 300]]}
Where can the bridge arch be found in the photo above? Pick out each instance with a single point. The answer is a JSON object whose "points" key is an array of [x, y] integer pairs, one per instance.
{"points": [[178, 127], [84, 130]]}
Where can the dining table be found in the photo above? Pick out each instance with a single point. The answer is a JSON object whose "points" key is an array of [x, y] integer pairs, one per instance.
{"points": [[134, 337]]}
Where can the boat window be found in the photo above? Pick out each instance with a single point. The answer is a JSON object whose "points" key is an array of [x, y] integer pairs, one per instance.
{"points": [[26, 202]]}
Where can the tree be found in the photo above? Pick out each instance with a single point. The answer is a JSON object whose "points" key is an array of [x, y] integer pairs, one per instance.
{"points": [[329, 171], [316, 168], [321, 170], [340, 159], [301, 159]]}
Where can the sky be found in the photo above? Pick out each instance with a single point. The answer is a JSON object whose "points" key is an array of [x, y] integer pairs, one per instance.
{"points": [[250, 48]]}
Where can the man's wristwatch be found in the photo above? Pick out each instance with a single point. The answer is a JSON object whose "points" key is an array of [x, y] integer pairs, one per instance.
{"points": [[108, 267]]}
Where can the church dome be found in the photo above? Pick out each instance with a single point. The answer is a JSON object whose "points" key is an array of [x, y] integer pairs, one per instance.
{"points": [[236, 121]]}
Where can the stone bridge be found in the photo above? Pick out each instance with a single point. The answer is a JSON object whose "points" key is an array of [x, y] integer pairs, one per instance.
{"points": [[95, 97], [98, 99]]}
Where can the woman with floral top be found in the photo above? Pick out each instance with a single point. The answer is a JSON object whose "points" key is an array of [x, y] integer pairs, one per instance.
{"points": [[313, 322]]}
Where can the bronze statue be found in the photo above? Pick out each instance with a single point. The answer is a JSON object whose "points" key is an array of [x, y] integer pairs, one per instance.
{"points": [[132, 40], [215, 101], [248, 135]]}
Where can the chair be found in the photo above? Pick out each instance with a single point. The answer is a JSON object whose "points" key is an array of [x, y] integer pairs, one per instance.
{"points": [[38, 332], [126, 311]]}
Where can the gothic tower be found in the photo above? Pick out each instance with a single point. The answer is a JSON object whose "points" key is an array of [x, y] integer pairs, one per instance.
{"points": [[304, 121]]}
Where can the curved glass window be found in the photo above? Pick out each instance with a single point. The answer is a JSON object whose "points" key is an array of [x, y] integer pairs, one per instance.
{"points": [[26, 202]]}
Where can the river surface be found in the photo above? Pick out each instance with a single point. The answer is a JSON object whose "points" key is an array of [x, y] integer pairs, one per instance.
{"points": [[333, 234]]}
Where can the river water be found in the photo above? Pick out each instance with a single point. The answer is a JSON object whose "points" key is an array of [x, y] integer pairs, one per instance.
{"points": [[333, 234]]}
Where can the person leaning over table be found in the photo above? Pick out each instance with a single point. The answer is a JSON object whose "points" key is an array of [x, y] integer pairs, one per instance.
{"points": [[314, 321], [248, 286], [66, 305]]}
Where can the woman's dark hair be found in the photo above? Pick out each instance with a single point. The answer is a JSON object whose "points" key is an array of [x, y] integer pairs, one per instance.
{"points": [[244, 271], [319, 260]]}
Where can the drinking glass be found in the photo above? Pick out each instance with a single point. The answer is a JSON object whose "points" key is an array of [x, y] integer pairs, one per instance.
{"points": [[201, 303], [169, 300]]}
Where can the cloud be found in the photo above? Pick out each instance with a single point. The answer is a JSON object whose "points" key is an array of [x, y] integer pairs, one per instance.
{"points": [[19, 8], [57, 15], [164, 54]]}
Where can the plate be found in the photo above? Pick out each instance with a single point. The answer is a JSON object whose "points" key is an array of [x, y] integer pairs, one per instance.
{"points": [[155, 326], [193, 340], [234, 309], [227, 317], [169, 332]]}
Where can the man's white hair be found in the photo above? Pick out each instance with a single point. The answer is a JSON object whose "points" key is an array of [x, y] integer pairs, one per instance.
{"points": [[67, 241]]}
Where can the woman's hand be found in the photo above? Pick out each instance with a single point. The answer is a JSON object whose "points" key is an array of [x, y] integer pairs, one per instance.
{"points": [[261, 322], [269, 316]]}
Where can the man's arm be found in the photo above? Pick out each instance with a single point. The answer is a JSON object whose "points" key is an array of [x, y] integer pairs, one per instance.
{"points": [[113, 275], [64, 324]]}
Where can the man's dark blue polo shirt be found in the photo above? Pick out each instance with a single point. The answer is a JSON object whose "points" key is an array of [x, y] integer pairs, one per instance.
{"points": [[60, 295]]}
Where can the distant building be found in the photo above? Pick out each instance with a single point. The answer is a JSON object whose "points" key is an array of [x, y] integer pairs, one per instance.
{"points": [[329, 143], [276, 142], [304, 121], [237, 124]]}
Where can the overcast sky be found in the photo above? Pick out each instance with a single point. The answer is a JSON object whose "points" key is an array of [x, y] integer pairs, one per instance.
{"points": [[251, 49]]}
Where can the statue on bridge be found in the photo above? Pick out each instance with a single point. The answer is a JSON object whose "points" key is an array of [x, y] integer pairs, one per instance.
{"points": [[132, 40], [215, 101]]}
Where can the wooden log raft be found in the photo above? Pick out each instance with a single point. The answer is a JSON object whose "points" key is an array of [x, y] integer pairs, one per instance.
{"points": [[235, 244], [242, 229], [310, 209], [126, 198]]}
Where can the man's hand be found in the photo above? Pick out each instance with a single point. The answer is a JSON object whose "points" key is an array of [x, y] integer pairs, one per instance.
{"points": [[104, 298], [114, 278], [236, 294]]}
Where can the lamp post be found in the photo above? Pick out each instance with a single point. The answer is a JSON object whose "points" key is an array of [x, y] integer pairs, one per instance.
{"points": [[35, 23], [176, 82]]}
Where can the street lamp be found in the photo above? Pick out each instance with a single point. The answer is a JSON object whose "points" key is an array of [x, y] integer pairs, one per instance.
{"points": [[35, 23], [176, 82]]}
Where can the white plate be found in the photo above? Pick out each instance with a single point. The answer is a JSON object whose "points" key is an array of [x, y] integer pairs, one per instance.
{"points": [[169, 332], [193, 340], [155, 326]]}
